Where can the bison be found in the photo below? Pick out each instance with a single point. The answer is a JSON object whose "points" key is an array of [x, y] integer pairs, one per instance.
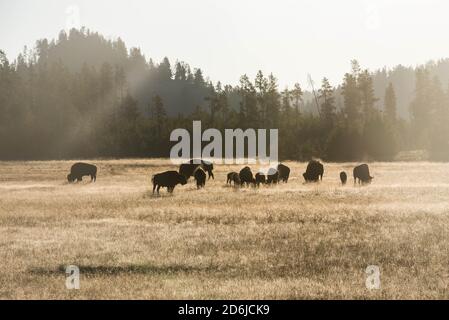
{"points": [[260, 178], [80, 169], [246, 176], [361, 173], [284, 172], [168, 179], [200, 178], [272, 176], [233, 177], [314, 171], [343, 177], [188, 169]]}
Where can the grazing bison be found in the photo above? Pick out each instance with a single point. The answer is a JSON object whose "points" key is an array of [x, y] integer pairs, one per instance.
{"points": [[314, 171], [246, 176], [272, 176], [80, 169], [260, 178], [233, 177], [361, 172], [167, 179], [229, 177], [343, 177], [188, 169], [284, 172], [200, 178]]}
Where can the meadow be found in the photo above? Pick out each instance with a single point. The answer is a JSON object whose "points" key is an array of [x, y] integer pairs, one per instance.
{"points": [[290, 241]]}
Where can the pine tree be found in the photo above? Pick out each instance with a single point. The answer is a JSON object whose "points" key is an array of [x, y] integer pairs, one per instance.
{"points": [[367, 98], [390, 104], [326, 95], [297, 100]]}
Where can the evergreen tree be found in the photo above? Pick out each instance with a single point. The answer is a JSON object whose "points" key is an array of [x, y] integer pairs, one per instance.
{"points": [[326, 95], [390, 104]]}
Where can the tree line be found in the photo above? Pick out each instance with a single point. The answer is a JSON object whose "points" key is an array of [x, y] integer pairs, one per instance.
{"points": [[82, 96]]}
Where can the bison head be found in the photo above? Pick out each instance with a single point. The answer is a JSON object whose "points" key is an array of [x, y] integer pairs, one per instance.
{"points": [[70, 178]]}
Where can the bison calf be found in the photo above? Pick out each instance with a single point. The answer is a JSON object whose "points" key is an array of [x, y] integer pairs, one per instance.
{"points": [[80, 169], [260, 178], [343, 177], [168, 179]]}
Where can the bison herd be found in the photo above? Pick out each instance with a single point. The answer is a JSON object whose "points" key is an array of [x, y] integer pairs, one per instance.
{"points": [[198, 168]]}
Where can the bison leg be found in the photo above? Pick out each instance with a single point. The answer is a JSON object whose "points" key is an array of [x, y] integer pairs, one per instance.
{"points": [[158, 187]]}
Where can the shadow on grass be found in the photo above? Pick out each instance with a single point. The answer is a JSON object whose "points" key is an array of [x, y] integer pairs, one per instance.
{"points": [[145, 269]]}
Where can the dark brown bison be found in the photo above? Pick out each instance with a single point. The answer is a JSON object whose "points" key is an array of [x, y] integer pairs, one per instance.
{"points": [[284, 172], [361, 173], [168, 179], [272, 176], [314, 171], [246, 177], [200, 178], [233, 177], [229, 177], [260, 178], [343, 177], [188, 169], [80, 169]]}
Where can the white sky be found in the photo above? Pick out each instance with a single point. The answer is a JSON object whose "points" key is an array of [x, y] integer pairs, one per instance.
{"points": [[228, 38]]}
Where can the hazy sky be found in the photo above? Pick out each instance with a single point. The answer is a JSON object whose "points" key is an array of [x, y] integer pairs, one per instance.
{"points": [[228, 38]]}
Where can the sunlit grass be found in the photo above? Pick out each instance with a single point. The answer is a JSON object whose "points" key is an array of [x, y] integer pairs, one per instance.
{"points": [[290, 241]]}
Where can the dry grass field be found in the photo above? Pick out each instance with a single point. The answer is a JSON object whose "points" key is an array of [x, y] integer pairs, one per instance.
{"points": [[290, 241]]}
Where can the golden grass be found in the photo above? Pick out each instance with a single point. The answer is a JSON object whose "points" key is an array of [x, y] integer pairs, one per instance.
{"points": [[290, 241]]}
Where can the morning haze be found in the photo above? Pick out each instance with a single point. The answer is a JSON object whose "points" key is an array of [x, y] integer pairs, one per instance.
{"points": [[230, 38]]}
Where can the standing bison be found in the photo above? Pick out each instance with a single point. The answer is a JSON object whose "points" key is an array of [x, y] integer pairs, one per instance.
{"points": [[284, 172], [343, 177], [314, 171], [260, 178], [167, 179], [246, 176], [233, 177], [80, 169], [200, 178], [361, 173], [188, 169]]}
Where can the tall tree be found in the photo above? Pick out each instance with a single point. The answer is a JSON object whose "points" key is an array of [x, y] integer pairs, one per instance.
{"points": [[326, 95], [367, 98], [390, 103]]}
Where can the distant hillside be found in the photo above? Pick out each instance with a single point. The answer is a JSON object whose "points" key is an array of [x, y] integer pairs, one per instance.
{"points": [[184, 89]]}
